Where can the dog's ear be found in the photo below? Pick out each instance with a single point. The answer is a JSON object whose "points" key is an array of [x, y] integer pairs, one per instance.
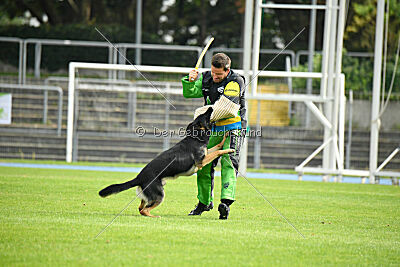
{"points": [[205, 120], [209, 111], [207, 114]]}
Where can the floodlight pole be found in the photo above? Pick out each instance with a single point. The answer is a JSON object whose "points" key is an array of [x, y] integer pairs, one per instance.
{"points": [[376, 87]]}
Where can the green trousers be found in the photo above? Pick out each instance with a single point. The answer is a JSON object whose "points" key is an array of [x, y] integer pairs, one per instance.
{"points": [[229, 167]]}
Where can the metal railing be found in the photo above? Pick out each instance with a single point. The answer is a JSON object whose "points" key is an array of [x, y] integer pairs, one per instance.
{"points": [[301, 53], [21, 50], [211, 51], [38, 51], [123, 47], [46, 88], [122, 50], [112, 53]]}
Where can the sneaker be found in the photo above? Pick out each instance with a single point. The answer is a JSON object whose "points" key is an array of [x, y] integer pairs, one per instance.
{"points": [[223, 211], [200, 208]]}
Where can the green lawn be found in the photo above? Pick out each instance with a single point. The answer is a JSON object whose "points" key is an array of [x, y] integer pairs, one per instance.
{"points": [[50, 217]]}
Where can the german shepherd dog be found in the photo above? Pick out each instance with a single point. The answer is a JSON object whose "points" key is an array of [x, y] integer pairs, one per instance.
{"points": [[183, 159]]}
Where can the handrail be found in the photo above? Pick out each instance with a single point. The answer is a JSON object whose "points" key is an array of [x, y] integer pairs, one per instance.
{"points": [[112, 55], [291, 53], [21, 49], [351, 54], [41, 87]]}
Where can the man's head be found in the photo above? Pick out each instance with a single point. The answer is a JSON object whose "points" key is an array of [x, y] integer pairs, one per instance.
{"points": [[220, 67]]}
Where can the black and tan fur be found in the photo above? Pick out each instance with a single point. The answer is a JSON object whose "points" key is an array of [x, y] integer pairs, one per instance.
{"points": [[183, 159]]}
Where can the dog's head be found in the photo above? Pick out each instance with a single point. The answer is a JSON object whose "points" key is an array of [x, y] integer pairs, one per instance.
{"points": [[201, 125]]}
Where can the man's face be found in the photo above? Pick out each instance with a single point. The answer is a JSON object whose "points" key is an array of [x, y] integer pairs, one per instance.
{"points": [[218, 74]]}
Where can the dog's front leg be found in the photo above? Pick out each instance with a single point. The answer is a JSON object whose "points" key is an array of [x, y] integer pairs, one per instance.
{"points": [[213, 155], [219, 146]]}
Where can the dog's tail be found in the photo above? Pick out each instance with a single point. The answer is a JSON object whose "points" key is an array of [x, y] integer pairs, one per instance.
{"points": [[116, 188]]}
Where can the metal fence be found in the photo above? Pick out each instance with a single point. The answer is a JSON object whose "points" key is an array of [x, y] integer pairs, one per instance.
{"points": [[115, 57]]}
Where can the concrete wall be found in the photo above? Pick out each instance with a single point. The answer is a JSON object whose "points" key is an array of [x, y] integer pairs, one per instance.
{"points": [[361, 115]]}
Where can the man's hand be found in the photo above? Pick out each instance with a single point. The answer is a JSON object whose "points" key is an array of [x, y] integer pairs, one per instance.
{"points": [[193, 75]]}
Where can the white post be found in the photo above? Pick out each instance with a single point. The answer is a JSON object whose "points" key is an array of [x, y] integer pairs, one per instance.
{"points": [[38, 55], [70, 119], [376, 87], [338, 111], [290, 85], [256, 46], [349, 130], [20, 61], [342, 118], [311, 48], [324, 70], [247, 41], [24, 61], [329, 155], [138, 57], [247, 38]]}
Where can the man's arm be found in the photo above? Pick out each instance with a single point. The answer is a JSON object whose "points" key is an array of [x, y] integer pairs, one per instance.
{"points": [[234, 90], [192, 89]]}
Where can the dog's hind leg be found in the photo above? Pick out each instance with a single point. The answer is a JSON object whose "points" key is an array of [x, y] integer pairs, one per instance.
{"points": [[146, 211], [141, 206]]}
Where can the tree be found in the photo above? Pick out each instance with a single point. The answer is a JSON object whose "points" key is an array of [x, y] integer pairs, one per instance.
{"points": [[190, 22], [54, 13], [360, 32], [291, 21]]}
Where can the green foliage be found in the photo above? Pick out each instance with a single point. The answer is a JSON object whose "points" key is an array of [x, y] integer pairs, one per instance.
{"points": [[299, 84], [57, 57], [50, 218], [360, 31], [190, 22], [359, 74]]}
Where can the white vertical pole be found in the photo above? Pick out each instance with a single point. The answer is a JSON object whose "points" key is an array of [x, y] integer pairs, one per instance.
{"points": [[247, 41], [38, 55], [325, 48], [70, 119], [349, 130], [376, 88], [329, 155], [311, 48], [24, 61], [247, 38], [324, 71], [256, 46], [110, 60], [20, 61], [338, 111], [138, 57], [341, 130], [290, 85]]}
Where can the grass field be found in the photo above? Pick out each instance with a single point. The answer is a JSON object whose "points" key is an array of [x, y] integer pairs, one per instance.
{"points": [[50, 217]]}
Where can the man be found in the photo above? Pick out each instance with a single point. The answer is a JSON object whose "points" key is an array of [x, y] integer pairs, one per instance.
{"points": [[219, 84]]}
